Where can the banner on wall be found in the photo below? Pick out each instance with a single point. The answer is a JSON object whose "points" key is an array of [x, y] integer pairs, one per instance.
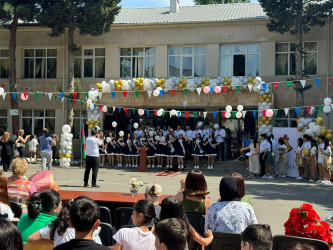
{"points": [[293, 134]]}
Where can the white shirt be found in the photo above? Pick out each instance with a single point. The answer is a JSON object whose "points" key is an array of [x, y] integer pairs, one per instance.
{"points": [[306, 145], [205, 133], [33, 145], [230, 217], [138, 133], [195, 132], [92, 146], [189, 134], [219, 135], [5, 209], [265, 145], [134, 239], [67, 236], [179, 132]]}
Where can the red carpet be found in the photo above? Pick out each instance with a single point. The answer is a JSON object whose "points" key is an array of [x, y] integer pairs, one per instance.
{"points": [[171, 174]]}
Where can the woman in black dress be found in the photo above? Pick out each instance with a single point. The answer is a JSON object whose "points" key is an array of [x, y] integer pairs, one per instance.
{"points": [[159, 149], [20, 142], [152, 150], [164, 149], [171, 150], [210, 150], [128, 150], [102, 149], [135, 151], [111, 149], [7, 151], [180, 151], [121, 146], [198, 150]]}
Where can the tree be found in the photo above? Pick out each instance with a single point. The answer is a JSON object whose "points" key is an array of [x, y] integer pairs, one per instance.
{"points": [[296, 17], [92, 17], [11, 11], [204, 2]]}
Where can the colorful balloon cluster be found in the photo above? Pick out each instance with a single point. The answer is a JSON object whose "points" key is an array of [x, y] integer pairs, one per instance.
{"points": [[265, 113], [65, 146], [328, 102]]}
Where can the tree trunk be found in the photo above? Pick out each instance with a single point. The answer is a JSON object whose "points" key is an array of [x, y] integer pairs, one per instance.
{"points": [[299, 54], [70, 79], [12, 72]]}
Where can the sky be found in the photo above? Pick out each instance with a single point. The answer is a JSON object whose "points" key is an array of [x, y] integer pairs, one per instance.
{"points": [[155, 3]]}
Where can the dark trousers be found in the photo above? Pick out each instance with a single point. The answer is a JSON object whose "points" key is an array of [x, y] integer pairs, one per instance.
{"points": [[91, 163], [262, 164], [220, 151], [6, 161], [21, 151], [188, 150]]}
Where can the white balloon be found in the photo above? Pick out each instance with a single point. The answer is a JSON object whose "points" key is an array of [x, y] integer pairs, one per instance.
{"points": [[300, 125], [228, 108], [108, 139], [135, 125], [216, 126], [227, 115], [114, 124], [91, 106], [121, 133], [156, 92], [66, 128], [157, 138], [239, 115], [66, 165], [327, 101], [327, 109], [240, 108], [312, 125]]}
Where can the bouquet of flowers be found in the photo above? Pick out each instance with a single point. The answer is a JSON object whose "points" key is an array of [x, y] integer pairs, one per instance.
{"points": [[305, 222], [135, 183]]}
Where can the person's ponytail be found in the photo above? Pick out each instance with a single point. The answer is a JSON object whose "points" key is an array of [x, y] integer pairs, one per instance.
{"points": [[34, 205]]}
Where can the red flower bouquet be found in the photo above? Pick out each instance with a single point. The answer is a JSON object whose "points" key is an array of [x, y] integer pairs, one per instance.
{"points": [[305, 222]]}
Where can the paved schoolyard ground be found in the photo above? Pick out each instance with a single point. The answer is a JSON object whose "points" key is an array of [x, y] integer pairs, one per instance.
{"points": [[272, 199]]}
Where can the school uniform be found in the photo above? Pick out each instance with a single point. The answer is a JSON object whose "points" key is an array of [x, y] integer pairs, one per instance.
{"points": [[171, 148], [180, 148], [198, 148], [111, 148], [135, 148], [210, 149], [120, 144], [152, 149], [128, 148]]}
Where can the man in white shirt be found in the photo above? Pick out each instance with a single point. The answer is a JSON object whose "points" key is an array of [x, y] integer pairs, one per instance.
{"points": [[138, 132], [92, 159], [188, 142], [148, 129], [196, 131], [219, 138], [158, 128], [179, 131], [206, 131]]}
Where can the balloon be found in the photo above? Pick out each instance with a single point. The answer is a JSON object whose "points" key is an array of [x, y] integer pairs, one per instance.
{"points": [[227, 115], [141, 112], [307, 152], [156, 93], [151, 133], [24, 97], [327, 109], [66, 165], [329, 136], [327, 101], [216, 126], [108, 139], [300, 126], [228, 108], [269, 113], [91, 106], [2, 91], [323, 132], [66, 129], [239, 114], [159, 113], [240, 108], [121, 133], [157, 138], [135, 125], [104, 109], [217, 89], [319, 120], [206, 89], [200, 124], [312, 124], [114, 124]]}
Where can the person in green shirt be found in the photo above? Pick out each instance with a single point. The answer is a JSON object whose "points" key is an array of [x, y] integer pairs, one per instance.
{"points": [[43, 208], [241, 188]]}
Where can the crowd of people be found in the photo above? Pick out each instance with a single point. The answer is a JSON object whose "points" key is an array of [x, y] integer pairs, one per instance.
{"points": [[312, 159]]}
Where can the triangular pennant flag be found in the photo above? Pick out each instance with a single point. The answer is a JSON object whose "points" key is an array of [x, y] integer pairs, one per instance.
{"points": [[170, 114], [87, 96], [195, 114], [74, 102], [75, 95], [250, 86], [186, 91], [137, 93], [3, 85], [297, 110], [225, 89], [119, 110], [264, 112], [205, 114], [264, 85], [321, 108], [178, 113], [214, 114], [211, 89], [113, 94], [286, 111], [223, 114], [238, 88], [147, 112], [133, 111], [199, 90], [303, 82], [100, 107], [37, 95], [81, 102], [55, 97], [316, 113], [4, 96], [186, 115], [289, 83], [254, 112], [68, 100], [61, 95], [163, 113], [14, 95], [125, 94], [113, 109], [308, 109], [155, 112], [331, 78], [317, 81], [244, 113], [233, 113], [173, 92], [149, 93], [100, 94], [10, 85], [6, 125], [276, 111], [94, 105], [276, 85], [161, 92], [126, 109], [50, 96]]}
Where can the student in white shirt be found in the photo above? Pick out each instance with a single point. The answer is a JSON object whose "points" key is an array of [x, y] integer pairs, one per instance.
{"points": [[139, 237], [262, 156], [188, 142], [33, 148], [306, 145], [324, 160], [179, 131], [266, 156], [206, 131], [138, 132], [219, 138], [196, 131], [282, 159]]}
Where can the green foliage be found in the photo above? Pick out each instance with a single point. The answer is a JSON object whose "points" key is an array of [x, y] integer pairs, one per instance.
{"points": [[25, 10], [204, 2], [283, 13], [77, 88], [92, 17]]}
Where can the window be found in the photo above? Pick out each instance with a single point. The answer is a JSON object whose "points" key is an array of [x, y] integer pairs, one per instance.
{"points": [[79, 117], [33, 121], [89, 63], [137, 62], [4, 63], [40, 63], [187, 61], [239, 60], [3, 121], [285, 58]]}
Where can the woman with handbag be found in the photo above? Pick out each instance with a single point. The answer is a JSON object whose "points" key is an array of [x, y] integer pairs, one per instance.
{"points": [[7, 151], [20, 142]]}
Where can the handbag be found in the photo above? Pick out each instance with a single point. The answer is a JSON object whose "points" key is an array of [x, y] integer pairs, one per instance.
{"points": [[20, 145]]}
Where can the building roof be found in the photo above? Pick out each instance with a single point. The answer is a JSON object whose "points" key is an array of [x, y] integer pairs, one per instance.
{"points": [[192, 14]]}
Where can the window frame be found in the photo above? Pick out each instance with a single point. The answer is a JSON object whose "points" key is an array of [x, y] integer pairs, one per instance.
{"points": [[4, 58], [37, 57], [144, 56], [93, 57], [246, 53], [289, 52], [33, 118], [181, 55]]}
